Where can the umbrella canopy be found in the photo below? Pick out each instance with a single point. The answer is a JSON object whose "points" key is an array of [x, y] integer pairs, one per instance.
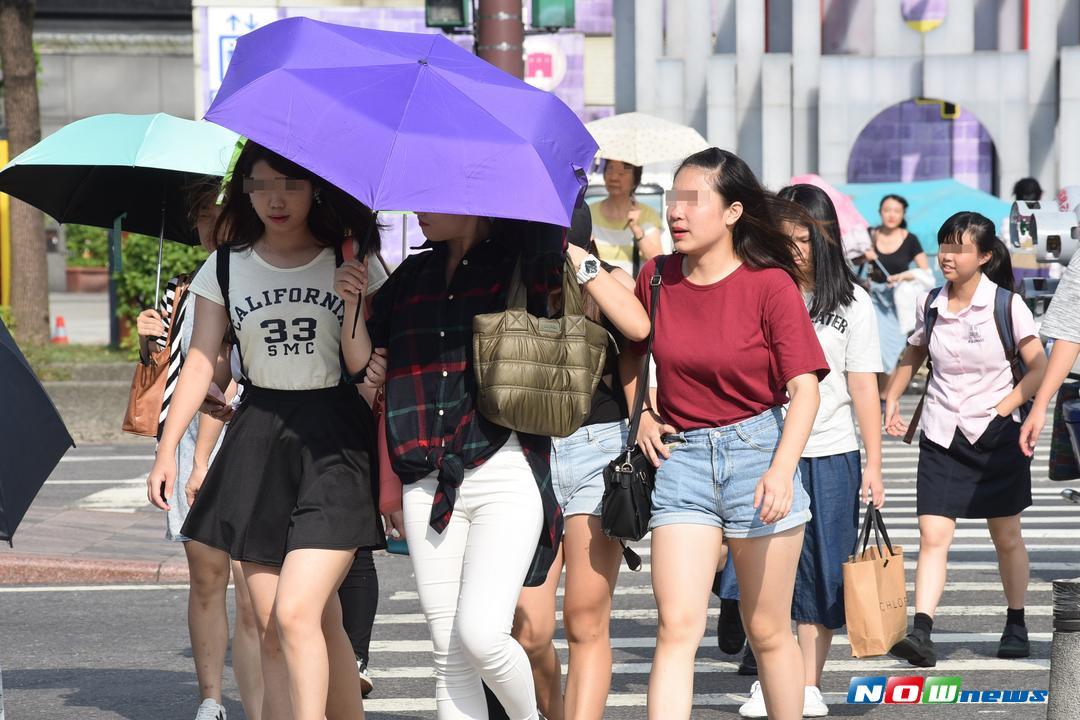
{"points": [[853, 226], [405, 121], [640, 139], [33, 438], [96, 169], [930, 204]]}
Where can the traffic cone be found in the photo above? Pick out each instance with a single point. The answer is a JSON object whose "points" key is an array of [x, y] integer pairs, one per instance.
{"points": [[60, 336]]}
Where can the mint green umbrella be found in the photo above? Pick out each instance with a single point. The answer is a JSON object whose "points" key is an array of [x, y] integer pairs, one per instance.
{"points": [[133, 168]]}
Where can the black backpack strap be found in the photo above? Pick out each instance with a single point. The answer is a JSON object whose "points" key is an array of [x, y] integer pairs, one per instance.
{"points": [[224, 255], [930, 315], [1003, 301]]}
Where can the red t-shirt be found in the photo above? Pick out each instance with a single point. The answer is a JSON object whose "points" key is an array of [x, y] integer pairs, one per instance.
{"points": [[724, 352]]}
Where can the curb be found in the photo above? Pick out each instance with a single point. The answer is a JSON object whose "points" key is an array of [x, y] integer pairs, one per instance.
{"points": [[45, 570]]}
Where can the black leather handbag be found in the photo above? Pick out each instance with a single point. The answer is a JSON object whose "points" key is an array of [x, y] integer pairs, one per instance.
{"points": [[629, 478]]}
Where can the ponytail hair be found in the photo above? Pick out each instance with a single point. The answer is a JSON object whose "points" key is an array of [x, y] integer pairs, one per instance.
{"points": [[984, 237]]}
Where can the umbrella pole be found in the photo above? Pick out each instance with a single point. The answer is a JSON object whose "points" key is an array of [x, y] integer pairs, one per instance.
{"points": [[160, 253], [404, 236]]}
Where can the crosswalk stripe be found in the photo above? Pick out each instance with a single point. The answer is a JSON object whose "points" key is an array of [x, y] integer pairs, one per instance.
{"points": [[720, 700], [911, 554], [650, 613], [707, 666], [627, 590], [708, 642]]}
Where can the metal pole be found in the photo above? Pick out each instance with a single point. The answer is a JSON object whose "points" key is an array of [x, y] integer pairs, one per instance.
{"points": [[500, 36], [115, 267], [1064, 700]]}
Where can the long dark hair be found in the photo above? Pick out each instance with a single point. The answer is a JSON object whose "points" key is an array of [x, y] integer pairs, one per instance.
{"points": [[983, 235], [834, 280], [903, 203], [758, 236], [335, 216]]}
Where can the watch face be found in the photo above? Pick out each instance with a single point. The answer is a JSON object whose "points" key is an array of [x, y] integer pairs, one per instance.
{"points": [[592, 267]]}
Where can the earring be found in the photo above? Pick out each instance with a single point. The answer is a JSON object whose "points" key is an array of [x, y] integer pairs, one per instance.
{"points": [[316, 197]]}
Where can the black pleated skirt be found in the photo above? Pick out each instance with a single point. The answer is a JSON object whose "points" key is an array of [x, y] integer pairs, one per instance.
{"points": [[297, 469], [987, 479]]}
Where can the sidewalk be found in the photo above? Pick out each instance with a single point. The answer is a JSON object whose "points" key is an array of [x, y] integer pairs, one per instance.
{"points": [[63, 539], [86, 316]]}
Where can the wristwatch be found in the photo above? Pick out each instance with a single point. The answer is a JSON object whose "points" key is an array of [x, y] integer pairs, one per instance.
{"points": [[589, 269]]}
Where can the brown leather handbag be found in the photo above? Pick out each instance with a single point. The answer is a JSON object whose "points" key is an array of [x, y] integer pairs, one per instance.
{"points": [[148, 385]]}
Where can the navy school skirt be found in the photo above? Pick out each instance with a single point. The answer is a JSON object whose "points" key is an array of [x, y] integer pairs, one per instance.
{"points": [[987, 479]]}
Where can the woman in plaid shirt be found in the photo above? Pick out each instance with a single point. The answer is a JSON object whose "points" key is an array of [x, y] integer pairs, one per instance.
{"points": [[480, 516]]}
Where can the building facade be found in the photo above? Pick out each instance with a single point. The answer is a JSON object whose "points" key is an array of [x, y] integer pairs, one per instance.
{"points": [[987, 91]]}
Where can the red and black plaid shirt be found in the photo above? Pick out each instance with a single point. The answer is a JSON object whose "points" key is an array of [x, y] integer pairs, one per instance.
{"points": [[432, 423]]}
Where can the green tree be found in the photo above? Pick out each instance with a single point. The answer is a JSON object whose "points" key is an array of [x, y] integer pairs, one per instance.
{"points": [[29, 276]]}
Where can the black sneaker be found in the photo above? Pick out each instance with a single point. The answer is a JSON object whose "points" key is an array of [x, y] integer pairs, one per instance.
{"points": [[730, 635], [1014, 642], [748, 663], [917, 648]]}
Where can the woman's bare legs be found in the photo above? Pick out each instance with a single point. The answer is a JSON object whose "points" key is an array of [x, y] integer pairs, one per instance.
{"points": [[766, 569], [262, 584], [534, 628], [245, 648], [208, 618], [308, 582], [592, 569], [684, 561]]}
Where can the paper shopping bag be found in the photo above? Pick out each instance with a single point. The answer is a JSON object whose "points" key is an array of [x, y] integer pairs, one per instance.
{"points": [[875, 596]]}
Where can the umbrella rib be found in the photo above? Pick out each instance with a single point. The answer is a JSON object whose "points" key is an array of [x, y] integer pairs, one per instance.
{"points": [[393, 145]]}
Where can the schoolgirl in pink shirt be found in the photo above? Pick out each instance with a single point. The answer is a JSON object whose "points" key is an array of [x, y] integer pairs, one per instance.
{"points": [[970, 462]]}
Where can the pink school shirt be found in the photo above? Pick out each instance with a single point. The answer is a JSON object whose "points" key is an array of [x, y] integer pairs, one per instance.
{"points": [[971, 374]]}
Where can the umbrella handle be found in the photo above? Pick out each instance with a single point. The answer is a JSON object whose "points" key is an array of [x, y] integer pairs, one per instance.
{"points": [[367, 241]]}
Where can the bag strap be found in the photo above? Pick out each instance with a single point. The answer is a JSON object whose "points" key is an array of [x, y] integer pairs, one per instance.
{"points": [[643, 377], [873, 521], [930, 315], [1003, 320], [179, 297], [224, 255]]}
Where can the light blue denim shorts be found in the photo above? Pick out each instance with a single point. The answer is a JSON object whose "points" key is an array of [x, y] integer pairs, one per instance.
{"points": [[711, 476], [578, 462]]}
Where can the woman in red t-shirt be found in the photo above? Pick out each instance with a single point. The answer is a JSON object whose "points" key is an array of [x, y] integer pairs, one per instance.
{"points": [[733, 343]]}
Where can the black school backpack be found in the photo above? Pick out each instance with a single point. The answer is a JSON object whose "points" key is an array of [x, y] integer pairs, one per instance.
{"points": [[1003, 299]]}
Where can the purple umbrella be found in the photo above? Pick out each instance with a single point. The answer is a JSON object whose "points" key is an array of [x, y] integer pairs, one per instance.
{"points": [[404, 121]]}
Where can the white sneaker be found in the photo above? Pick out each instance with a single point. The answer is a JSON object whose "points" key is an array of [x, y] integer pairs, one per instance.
{"points": [[755, 706], [366, 683], [210, 710], [813, 704]]}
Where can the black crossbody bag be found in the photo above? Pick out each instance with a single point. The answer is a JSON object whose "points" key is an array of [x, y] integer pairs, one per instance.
{"points": [[629, 478]]}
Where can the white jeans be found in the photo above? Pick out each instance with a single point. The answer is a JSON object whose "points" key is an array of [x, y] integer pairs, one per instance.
{"points": [[469, 579]]}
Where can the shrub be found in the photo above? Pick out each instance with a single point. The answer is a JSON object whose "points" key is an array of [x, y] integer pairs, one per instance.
{"points": [[135, 282], [87, 246]]}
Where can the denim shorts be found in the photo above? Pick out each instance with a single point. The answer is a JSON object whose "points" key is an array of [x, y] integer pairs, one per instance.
{"points": [[578, 462], [712, 474]]}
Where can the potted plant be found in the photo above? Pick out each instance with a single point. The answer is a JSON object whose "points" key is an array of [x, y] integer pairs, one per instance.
{"points": [[87, 259]]}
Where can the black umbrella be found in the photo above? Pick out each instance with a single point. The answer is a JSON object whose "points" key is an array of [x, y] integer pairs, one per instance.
{"points": [[33, 437]]}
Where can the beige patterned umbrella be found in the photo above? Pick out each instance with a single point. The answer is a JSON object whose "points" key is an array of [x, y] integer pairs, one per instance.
{"points": [[640, 139]]}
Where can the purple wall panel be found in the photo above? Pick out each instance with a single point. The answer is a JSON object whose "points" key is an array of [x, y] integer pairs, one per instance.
{"points": [[915, 141]]}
